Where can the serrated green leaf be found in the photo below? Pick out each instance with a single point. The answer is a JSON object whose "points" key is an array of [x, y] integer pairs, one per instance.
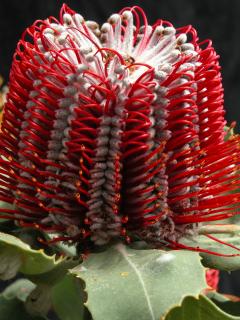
{"points": [[123, 283], [35, 264], [67, 299], [214, 295], [199, 309], [224, 303], [214, 261], [56, 273], [10, 263], [33, 261]]}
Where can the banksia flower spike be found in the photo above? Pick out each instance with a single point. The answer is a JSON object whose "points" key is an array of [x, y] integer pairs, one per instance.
{"points": [[116, 131]]}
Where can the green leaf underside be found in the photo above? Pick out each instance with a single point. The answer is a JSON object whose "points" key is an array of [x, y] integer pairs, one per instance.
{"points": [[198, 309], [14, 309], [19, 289], [126, 284], [218, 262], [12, 301], [67, 299], [5, 205]]}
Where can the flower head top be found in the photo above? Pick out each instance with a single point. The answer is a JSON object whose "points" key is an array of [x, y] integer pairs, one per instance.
{"points": [[116, 131]]}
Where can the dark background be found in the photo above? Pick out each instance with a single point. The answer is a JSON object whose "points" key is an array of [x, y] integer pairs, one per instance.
{"points": [[218, 20]]}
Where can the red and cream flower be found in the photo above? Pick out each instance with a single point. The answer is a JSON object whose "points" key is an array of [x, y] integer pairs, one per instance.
{"points": [[116, 131]]}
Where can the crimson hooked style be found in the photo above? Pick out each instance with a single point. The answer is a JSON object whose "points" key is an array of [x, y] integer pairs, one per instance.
{"points": [[116, 131]]}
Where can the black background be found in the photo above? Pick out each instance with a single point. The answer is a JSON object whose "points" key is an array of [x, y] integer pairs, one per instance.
{"points": [[218, 20]]}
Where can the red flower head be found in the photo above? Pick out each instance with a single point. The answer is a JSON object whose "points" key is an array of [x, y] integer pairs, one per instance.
{"points": [[212, 278], [116, 131]]}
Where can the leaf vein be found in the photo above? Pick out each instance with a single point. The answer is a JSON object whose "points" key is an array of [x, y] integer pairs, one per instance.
{"points": [[122, 250]]}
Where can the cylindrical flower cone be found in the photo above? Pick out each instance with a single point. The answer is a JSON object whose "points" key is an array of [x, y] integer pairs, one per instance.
{"points": [[116, 131]]}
